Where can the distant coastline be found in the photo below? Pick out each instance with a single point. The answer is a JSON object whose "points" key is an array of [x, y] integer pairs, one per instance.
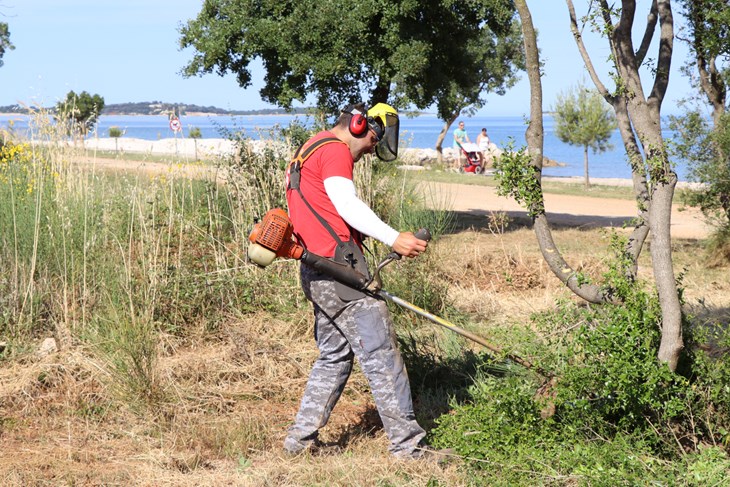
{"points": [[162, 108]]}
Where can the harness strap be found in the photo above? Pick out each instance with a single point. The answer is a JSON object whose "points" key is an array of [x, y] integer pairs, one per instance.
{"points": [[295, 174], [301, 156]]}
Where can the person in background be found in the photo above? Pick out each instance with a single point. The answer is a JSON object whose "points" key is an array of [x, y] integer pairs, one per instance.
{"points": [[327, 216], [485, 158], [460, 136]]}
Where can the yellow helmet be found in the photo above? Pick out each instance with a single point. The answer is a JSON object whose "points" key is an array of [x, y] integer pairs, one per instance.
{"points": [[383, 119]]}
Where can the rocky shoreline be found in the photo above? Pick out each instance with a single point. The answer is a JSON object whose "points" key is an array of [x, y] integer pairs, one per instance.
{"points": [[412, 158], [188, 147]]}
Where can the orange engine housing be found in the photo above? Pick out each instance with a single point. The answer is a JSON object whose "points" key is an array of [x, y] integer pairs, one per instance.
{"points": [[275, 233]]}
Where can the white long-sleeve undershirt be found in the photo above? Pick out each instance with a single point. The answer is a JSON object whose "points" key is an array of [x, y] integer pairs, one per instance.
{"points": [[355, 212]]}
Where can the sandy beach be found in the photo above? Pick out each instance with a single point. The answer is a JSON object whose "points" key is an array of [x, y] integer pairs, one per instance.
{"points": [[182, 146]]}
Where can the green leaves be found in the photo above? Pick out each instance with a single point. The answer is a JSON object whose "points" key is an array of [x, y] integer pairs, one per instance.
{"points": [[5, 44], [583, 118], [405, 52], [81, 111], [705, 149], [518, 178]]}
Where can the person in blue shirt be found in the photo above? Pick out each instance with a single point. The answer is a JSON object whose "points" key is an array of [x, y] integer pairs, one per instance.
{"points": [[460, 136]]}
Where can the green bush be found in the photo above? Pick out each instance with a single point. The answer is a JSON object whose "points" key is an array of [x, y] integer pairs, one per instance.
{"points": [[615, 415], [709, 372]]}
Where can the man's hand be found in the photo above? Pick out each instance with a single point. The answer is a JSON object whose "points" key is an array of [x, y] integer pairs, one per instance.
{"points": [[408, 245]]}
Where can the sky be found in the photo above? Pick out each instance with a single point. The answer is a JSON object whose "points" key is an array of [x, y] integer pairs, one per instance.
{"points": [[128, 52]]}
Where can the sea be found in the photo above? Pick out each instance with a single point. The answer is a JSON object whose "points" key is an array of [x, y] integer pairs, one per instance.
{"points": [[420, 132]]}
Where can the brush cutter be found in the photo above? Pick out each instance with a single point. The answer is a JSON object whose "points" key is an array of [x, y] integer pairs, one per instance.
{"points": [[273, 237]]}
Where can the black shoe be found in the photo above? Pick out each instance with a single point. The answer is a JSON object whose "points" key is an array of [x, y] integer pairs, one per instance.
{"points": [[441, 457], [320, 448], [315, 448]]}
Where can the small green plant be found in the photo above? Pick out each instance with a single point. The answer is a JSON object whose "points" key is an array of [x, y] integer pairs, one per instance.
{"points": [[130, 346], [115, 133], [296, 133], [518, 178], [195, 133]]}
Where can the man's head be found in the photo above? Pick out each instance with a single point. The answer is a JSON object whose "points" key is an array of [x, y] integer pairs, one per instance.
{"points": [[376, 129], [461, 125]]}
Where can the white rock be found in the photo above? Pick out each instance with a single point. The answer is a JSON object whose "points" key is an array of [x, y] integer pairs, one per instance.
{"points": [[48, 346]]}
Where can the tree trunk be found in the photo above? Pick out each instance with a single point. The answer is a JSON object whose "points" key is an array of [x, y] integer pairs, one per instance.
{"points": [[535, 139], [661, 255], [619, 103], [586, 179], [646, 118], [442, 136], [640, 117]]}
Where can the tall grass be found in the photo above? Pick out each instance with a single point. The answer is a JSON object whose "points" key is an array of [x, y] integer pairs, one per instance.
{"points": [[118, 261], [114, 260]]}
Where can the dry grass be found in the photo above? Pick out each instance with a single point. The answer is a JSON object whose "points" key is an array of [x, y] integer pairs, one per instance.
{"points": [[228, 400]]}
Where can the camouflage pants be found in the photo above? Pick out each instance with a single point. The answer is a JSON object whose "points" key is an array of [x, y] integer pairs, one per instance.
{"points": [[343, 331]]}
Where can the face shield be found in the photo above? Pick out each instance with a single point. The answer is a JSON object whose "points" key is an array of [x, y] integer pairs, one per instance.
{"points": [[383, 120]]}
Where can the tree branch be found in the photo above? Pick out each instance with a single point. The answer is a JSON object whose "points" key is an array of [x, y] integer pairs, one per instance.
{"points": [[586, 57], [651, 21], [666, 45], [535, 137]]}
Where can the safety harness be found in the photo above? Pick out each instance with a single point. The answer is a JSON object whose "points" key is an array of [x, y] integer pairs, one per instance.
{"points": [[349, 252]]}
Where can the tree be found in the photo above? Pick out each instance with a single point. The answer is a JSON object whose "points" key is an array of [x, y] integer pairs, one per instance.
{"points": [[582, 118], [80, 112], [638, 117], [194, 133], [708, 26], [705, 147], [115, 133], [406, 53], [5, 44]]}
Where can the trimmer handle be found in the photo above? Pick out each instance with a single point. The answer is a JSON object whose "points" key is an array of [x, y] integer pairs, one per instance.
{"points": [[375, 283], [421, 234]]}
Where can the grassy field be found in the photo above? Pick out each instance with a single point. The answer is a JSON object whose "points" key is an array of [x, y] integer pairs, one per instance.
{"points": [[176, 362]]}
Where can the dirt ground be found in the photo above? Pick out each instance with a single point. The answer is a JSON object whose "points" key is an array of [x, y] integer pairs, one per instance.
{"points": [[568, 210]]}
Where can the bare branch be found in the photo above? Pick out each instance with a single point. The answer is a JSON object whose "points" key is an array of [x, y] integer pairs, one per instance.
{"points": [[584, 54], [651, 21], [666, 45]]}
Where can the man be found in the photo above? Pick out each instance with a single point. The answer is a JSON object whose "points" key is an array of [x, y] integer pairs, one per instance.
{"points": [[460, 136], [327, 215]]}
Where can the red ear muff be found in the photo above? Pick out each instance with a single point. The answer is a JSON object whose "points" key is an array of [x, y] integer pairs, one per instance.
{"points": [[358, 125]]}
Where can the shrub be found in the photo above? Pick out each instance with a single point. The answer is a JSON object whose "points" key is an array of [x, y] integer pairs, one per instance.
{"points": [[619, 414]]}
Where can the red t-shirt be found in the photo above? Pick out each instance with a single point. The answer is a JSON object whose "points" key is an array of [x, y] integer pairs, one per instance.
{"points": [[333, 159]]}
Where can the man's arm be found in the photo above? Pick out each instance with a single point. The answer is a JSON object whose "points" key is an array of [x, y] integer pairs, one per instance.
{"points": [[359, 216]]}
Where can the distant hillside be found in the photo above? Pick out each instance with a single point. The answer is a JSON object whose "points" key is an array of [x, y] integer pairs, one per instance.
{"points": [[162, 108]]}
